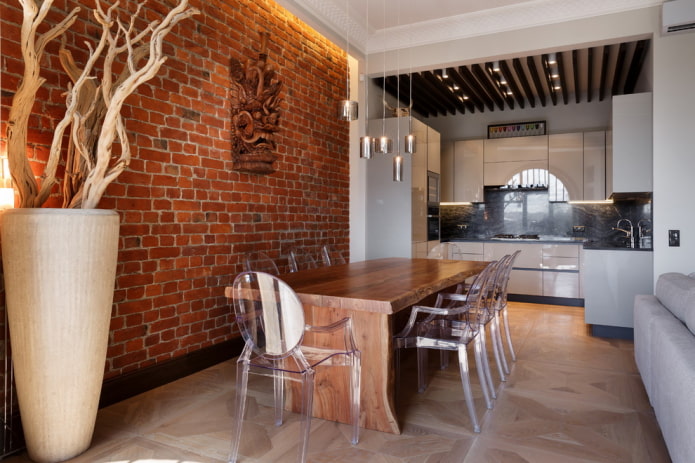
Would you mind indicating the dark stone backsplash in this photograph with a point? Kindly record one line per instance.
(530, 212)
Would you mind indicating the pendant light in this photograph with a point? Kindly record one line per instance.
(409, 142)
(347, 108)
(384, 145)
(367, 143)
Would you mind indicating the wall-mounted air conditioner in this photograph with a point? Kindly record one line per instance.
(677, 16)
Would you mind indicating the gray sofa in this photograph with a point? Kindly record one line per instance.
(665, 357)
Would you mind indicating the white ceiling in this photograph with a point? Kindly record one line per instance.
(377, 25)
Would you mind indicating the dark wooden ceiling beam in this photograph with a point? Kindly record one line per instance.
(495, 78)
(437, 98)
(563, 82)
(636, 65)
(489, 87)
(619, 64)
(516, 62)
(535, 76)
(604, 73)
(478, 90)
(545, 59)
(423, 109)
(575, 72)
(453, 104)
(590, 76)
(513, 86)
(421, 99)
(474, 101)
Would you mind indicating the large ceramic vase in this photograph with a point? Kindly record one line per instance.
(59, 267)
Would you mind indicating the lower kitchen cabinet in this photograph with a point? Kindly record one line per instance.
(612, 279)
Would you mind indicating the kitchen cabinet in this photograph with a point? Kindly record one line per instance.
(433, 150)
(396, 212)
(594, 165)
(468, 171)
(578, 160)
(629, 166)
(612, 279)
(446, 185)
(541, 269)
(504, 157)
(566, 162)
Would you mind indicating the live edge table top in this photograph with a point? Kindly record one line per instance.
(381, 285)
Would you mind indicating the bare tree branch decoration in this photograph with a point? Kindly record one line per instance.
(93, 106)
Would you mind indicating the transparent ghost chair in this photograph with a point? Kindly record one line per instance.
(260, 262)
(501, 305)
(496, 292)
(440, 251)
(452, 328)
(331, 256)
(271, 320)
(301, 259)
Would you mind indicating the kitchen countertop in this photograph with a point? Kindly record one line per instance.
(588, 244)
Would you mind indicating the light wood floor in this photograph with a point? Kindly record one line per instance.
(570, 398)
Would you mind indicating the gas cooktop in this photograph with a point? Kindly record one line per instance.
(503, 236)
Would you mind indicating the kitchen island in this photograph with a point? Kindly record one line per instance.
(372, 293)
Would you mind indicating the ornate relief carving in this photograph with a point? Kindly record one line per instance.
(255, 98)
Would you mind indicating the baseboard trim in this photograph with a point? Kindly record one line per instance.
(131, 384)
(569, 301)
(613, 332)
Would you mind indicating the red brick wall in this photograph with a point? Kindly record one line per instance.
(187, 218)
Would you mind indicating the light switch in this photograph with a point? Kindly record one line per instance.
(674, 237)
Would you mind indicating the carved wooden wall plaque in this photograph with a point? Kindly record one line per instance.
(255, 102)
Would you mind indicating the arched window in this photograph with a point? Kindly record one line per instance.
(541, 177)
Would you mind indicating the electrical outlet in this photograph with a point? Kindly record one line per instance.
(674, 237)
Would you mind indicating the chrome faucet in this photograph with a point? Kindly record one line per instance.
(645, 240)
(628, 233)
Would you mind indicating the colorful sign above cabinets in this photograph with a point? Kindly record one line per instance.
(519, 129)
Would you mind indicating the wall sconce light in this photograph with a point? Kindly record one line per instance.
(6, 190)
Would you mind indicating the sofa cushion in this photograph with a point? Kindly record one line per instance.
(646, 310)
(677, 293)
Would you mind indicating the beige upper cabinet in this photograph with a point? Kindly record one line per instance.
(468, 171)
(566, 163)
(630, 163)
(505, 157)
(433, 150)
(595, 165)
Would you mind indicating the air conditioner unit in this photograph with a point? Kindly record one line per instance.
(677, 16)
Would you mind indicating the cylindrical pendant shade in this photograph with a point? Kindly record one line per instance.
(384, 145)
(398, 168)
(367, 147)
(347, 110)
(409, 145)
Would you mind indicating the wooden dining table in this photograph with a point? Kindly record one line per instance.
(371, 293)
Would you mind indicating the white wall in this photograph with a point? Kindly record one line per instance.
(674, 152)
(560, 119)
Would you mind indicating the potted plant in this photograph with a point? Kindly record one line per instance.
(60, 263)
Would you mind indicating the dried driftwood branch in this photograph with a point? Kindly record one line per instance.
(23, 100)
(93, 106)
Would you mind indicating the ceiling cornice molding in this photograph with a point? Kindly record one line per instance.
(526, 15)
(331, 13)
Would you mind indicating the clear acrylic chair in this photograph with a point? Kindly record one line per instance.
(452, 328)
(440, 251)
(496, 291)
(271, 320)
(331, 256)
(260, 262)
(501, 305)
(301, 259)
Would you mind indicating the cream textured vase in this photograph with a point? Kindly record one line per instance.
(60, 268)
